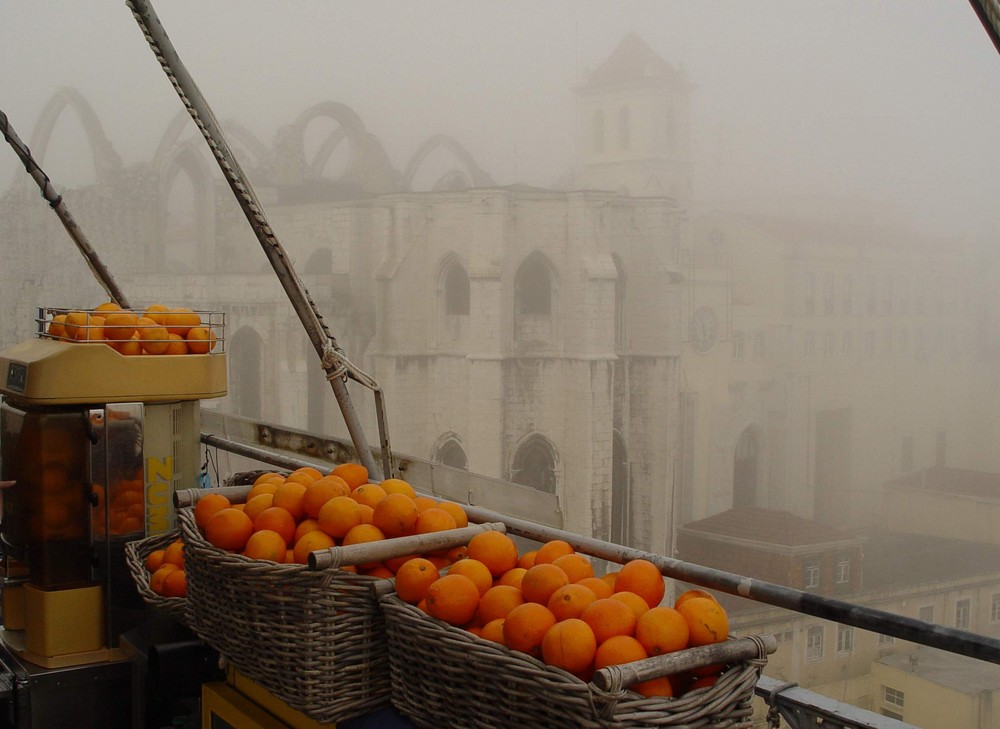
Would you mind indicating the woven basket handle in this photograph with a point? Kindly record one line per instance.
(615, 678)
(323, 559)
(189, 497)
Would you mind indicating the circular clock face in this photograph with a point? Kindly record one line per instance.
(704, 328)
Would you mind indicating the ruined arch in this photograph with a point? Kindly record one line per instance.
(450, 452)
(475, 175)
(534, 285)
(453, 286)
(535, 462)
(252, 151)
(107, 163)
(193, 247)
(245, 374)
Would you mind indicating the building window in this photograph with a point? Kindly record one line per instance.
(759, 351)
(810, 293)
(829, 344)
(904, 341)
(871, 295)
(624, 132)
(812, 575)
(995, 609)
(870, 344)
(846, 343)
(884, 640)
(738, 347)
(887, 342)
(810, 344)
(598, 131)
(843, 572)
(963, 614)
(887, 296)
(533, 286)
(814, 643)
(845, 639)
(456, 290)
(893, 697)
(926, 614)
(847, 304)
(535, 465)
(829, 293)
(906, 462)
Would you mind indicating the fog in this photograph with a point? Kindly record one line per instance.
(784, 367)
(888, 101)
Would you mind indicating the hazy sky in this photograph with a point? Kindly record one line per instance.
(893, 100)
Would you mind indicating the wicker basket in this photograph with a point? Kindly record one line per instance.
(444, 676)
(135, 557)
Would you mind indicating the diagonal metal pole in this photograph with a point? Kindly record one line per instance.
(56, 202)
(333, 360)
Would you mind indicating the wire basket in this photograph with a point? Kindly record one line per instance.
(123, 334)
(443, 676)
(136, 552)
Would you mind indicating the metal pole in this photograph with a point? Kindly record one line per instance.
(196, 105)
(55, 201)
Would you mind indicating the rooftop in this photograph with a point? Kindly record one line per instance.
(946, 669)
(778, 528)
(633, 59)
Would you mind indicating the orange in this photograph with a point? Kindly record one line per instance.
(457, 553)
(75, 322)
(264, 487)
(175, 584)
(268, 476)
(655, 687)
(303, 477)
(314, 473)
(662, 630)
(493, 631)
(208, 505)
(527, 560)
(200, 340)
(229, 529)
(570, 600)
(154, 339)
(368, 494)
(363, 533)
(413, 578)
(266, 544)
(433, 520)
(354, 473)
(395, 514)
(289, 497)
(494, 549)
(322, 490)
(706, 619)
(276, 519)
(512, 577)
(453, 599)
(155, 312)
(456, 511)
(176, 344)
(576, 566)
(180, 320)
(108, 306)
(154, 559)
(257, 504)
(688, 594)
(424, 502)
(174, 553)
(525, 626)
(311, 542)
(541, 581)
(635, 602)
(367, 513)
(156, 579)
(130, 347)
(644, 579)
(475, 571)
(378, 570)
(120, 325)
(611, 578)
(609, 617)
(306, 525)
(93, 332)
(549, 551)
(394, 563)
(398, 486)
(497, 601)
(569, 645)
(618, 649)
(57, 326)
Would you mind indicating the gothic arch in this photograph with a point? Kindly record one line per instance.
(621, 302)
(473, 173)
(746, 468)
(449, 451)
(107, 163)
(535, 463)
(453, 286)
(535, 285)
(253, 147)
(245, 375)
(187, 159)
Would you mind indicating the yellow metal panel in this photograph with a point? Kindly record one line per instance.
(261, 696)
(218, 700)
(63, 621)
(45, 371)
(13, 607)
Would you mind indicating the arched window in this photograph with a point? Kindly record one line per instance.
(533, 286)
(245, 380)
(620, 315)
(456, 290)
(624, 128)
(535, 465)
(451, 453)
(598, 131)
(745, 470)
(621, 510)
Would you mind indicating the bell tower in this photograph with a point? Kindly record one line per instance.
(633, 125)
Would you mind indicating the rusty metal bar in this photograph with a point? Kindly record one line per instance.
(56, 202)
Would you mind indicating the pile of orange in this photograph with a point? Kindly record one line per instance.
(285, 517)
(158, 330)
(166, 570)
(548, 603)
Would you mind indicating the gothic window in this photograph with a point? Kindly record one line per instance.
(620, 303)
(598, 131)
(624, 130)
(533, 286)
(451, 453)
(620, 491)
(456, 290)
(535, 465)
